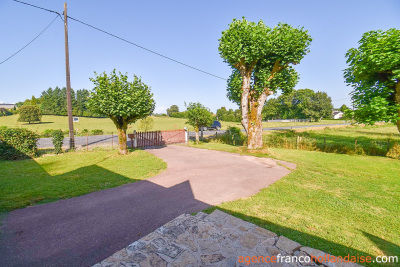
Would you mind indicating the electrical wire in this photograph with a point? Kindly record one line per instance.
(146, 49)
(122, 39)
(37, 36)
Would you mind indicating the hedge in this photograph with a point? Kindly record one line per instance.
(17, 143)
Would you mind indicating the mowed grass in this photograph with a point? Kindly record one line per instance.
(50, 178)
(337, 203)
(108, 127)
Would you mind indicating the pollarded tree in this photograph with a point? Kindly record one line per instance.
(123, 101)
(29, 114)
(198, 116)
(374, 74)
(261, 60)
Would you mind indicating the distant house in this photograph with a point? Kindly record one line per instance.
(337, 115)
(7, 106)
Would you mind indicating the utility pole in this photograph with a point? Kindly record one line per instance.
(69, 103)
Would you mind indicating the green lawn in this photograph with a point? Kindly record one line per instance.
(105, 124)
(370, 140)
(341, 204)
(50, 178)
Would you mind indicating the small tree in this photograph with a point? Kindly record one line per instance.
(123, 101)
(57, 139)
(173, 109)
(146, 124)
(374, 74)
(29, 114)
(198, 116)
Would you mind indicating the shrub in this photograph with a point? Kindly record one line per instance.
(97, 132)
(47, 132)
(5, 112)
(17, 143)
(233, 136)
(57, 138)
(84, 132)
(29, 114)
(394, 151)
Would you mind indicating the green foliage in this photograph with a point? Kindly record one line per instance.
(146, 124)
(254, 47)
(374, 74)
(299, 104)
(173, 109)
(17, 143)
(198, 116)
(57, 138)
(178, 114)
(233, 136)
(229, 115)
(123, 101)
(29, 114)
(47, 133)
(5, 112)
(96, 132)
(84, 132)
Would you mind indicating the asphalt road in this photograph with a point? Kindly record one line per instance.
(84, 230)
(108, 140)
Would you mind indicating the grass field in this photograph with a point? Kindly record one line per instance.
(50, 178)
(338, 203)
(370, 140)
(105, 124)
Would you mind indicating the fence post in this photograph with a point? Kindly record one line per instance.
(297, 142)
(135, 139)
(186, 134)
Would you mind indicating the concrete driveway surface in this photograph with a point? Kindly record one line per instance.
(84, 230)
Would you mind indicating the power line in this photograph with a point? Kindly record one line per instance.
(31, 40)
(129, 42)
(39, 7)
(148, 50)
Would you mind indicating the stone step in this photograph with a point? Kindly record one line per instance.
(217, 239)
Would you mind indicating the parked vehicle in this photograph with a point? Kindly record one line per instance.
(216, 125)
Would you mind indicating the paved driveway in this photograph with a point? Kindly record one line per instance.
(84, 230)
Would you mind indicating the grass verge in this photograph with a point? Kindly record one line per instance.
(53, 177)
(337, 203)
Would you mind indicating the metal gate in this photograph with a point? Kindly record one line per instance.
(157, 138)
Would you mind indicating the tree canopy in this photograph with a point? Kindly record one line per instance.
(299, 104)
(374, 74)
(261, 59)
(123, 101)
(29, 114)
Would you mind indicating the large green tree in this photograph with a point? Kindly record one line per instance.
(198, 116)
(29, 114)
(123, 101)
(374, 74)
(173, 109)
(261, 58)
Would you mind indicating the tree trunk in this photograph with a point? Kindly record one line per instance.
(397, 101)
(246, 79)
(255, 128)
(123, 150)
(197, 136)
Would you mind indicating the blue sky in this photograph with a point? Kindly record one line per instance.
(187, 31)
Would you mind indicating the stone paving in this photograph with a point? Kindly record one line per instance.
(217, 239)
